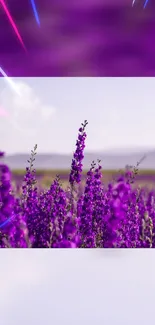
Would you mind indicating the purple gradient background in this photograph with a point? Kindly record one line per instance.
(79, 38)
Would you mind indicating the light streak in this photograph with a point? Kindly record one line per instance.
(35, 12)
(133, 2)
(2, 2)
(9, 80)
(5, 222)
(145, 4)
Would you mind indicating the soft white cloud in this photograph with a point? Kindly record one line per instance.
(120, 113)
(26, 111)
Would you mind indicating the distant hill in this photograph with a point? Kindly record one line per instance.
(58, 161)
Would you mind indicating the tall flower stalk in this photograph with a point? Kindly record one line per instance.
(76, 166)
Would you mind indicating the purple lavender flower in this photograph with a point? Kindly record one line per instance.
(86, 218)
(94, 215)
(76, 167)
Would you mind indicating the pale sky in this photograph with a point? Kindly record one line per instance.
(48, 111)
(77, 287)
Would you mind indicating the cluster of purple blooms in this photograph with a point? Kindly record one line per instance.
(117, 215)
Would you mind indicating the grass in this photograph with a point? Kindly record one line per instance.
(66, 172)
(47, 176)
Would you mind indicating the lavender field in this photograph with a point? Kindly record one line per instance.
(78, 209)
(145, 178)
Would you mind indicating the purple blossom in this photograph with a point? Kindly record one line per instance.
(87, 215)
(76, 167)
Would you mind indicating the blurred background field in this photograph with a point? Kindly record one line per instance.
(80, 38)
(46, 177)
